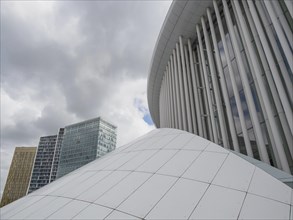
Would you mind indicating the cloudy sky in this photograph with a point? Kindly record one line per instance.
(68, 61)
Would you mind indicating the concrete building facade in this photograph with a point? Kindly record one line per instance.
(223, 70)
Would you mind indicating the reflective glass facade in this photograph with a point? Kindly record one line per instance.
(223, 70)
(84, 142)
(57, 151)
(43, 163)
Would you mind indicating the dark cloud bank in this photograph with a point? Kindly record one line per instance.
(65, 61)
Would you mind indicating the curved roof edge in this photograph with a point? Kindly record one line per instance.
(180, 20)
(278, 174)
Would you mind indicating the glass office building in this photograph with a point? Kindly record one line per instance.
(56, 156)
(84, 142)
(19, 174)
(223, 70)
(43, 163)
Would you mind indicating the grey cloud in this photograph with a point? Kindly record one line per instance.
(72, 77)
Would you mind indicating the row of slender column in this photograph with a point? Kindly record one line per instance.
(194, 91)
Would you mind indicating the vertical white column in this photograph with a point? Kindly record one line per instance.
(210, 104)
(215, 86)
(164, 101)
(181, 89)
(190, 91)
(234, 84)
(275, 48)
(176, 120)
(185, 86)
(272, 64)
(177, 91)
(195, 90)
(271, 83)
(161, 106)
(263, 93)
(289, 5)
(250, 103)
(171, 95)
(283, 22)
(280, 33)
(167, 99)
(207, 125)
(223, 85)
(258, 91)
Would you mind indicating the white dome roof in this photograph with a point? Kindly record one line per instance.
(166, 174)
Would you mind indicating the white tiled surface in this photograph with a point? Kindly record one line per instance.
(283, 194)
(215, 148)
(142, 200)
(123, 189)
(235, 173)
(101, 187)
(180, 201)
(139, 159)
(179, 163)
(45, 201)
(69, 210)
(156, 161)
(205, 166)
(93, 212)
(166, 174)
(49, 209)
(121, 161)
(161, 142)
(116, 215)
(70, 186)
(196, 143)
(86, 184)
(179, 141)
(219, 203)
(256, 207)
(18, 205)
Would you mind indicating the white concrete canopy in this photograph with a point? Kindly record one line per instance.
(165, 174)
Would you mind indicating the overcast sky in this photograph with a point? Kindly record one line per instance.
(68, 61)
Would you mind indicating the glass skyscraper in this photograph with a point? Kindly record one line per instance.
(43, 163)
(56, 157)
(84, 142)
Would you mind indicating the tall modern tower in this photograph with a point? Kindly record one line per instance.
(85, 141)
(19, 174)
(43, 163)
(223, 70)
(56, 157)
